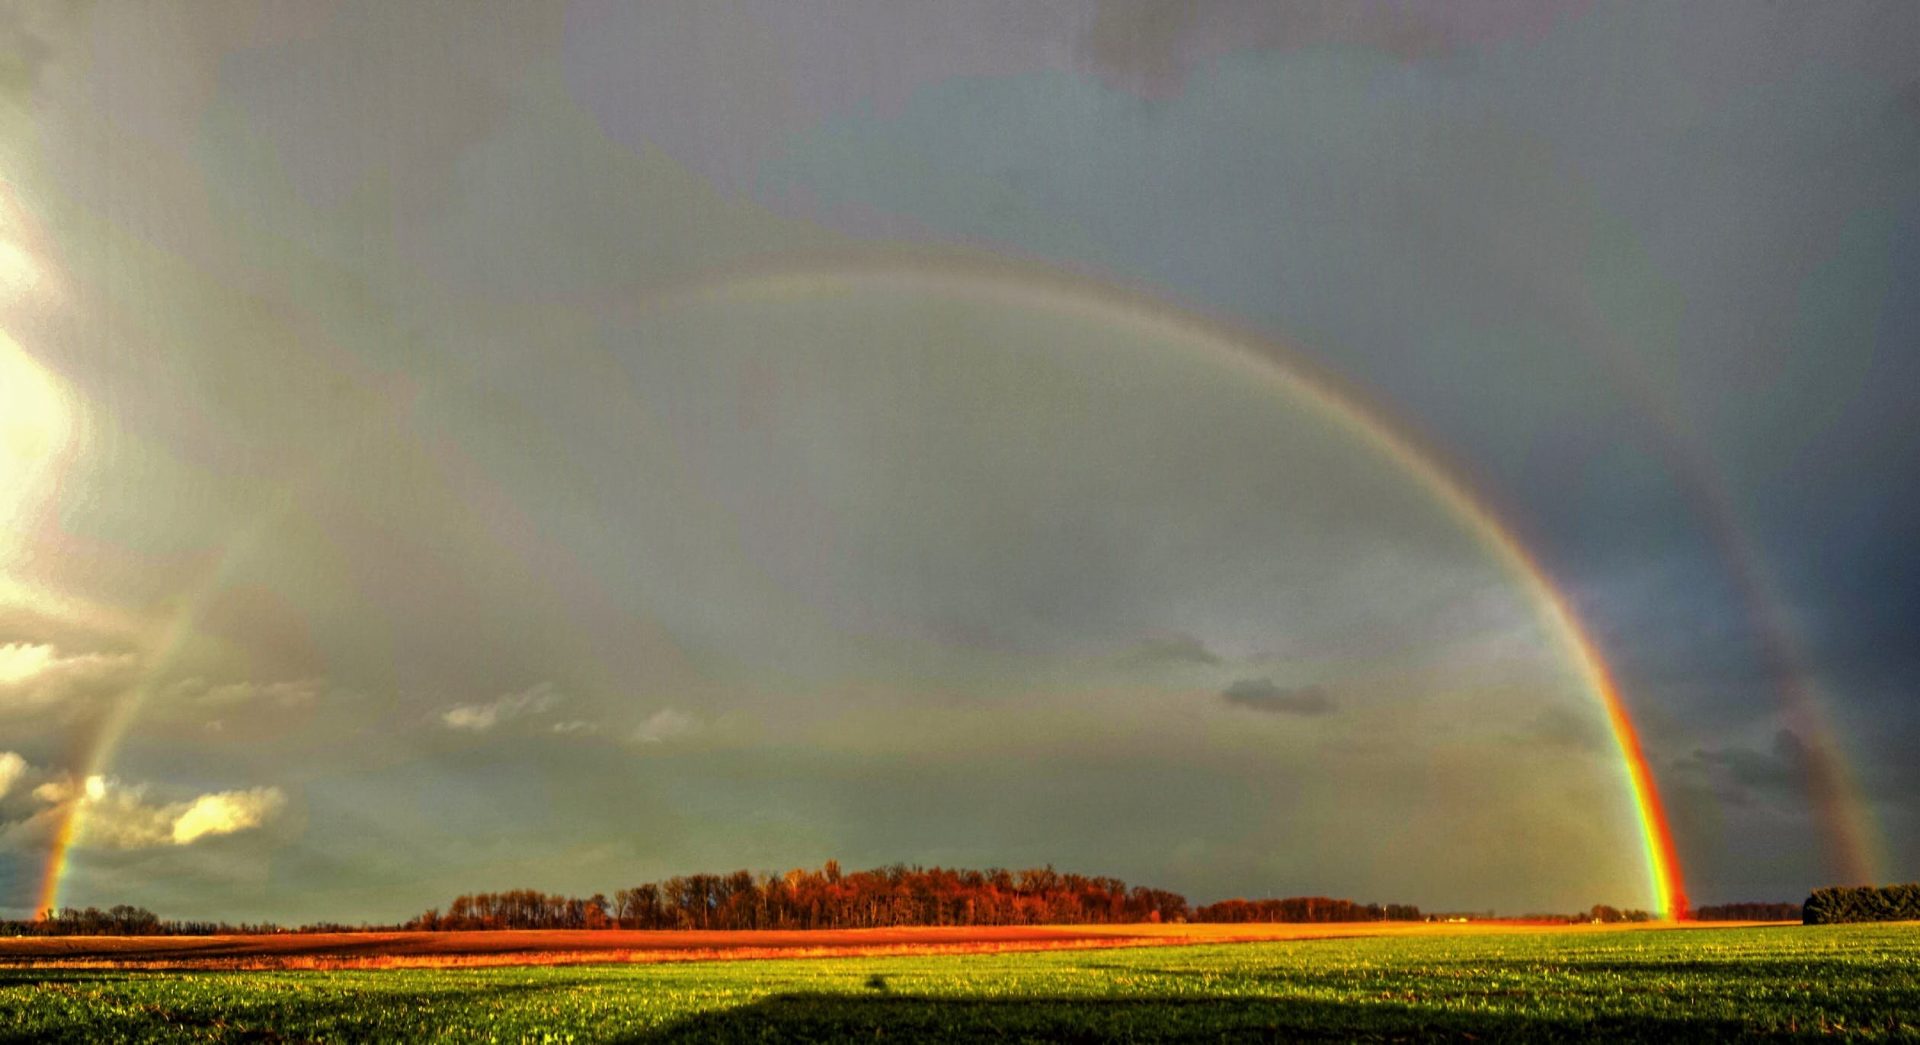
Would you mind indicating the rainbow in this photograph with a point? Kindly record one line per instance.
(99, 753)
(105, 740)
(1261, 359)
(1854, 847)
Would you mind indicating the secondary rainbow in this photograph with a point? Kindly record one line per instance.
(1260, 358)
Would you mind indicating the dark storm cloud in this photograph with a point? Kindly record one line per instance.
(1262, 695)
(1676, 351)
(1627, 320)
(1746, 775)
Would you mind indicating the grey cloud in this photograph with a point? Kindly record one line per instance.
(46, 681)
(1745, 775)
(1170, 648)
(1150, 47)
(1262, 695)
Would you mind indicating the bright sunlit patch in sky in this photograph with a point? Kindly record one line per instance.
(34, 430)
(20, 660)
(18, 273)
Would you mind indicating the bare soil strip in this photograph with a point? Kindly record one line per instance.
(561, 947)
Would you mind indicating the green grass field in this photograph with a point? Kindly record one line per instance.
(1655, 985)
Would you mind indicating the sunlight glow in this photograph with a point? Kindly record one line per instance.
(35, 431)
(18, 274)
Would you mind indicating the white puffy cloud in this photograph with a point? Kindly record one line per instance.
(226, 812)
(664, 725)
(42, 679)
(37, 676)
(479, 718)
(20, 661)
(12, 768)
(114, 815)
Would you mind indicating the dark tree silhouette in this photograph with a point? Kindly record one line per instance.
(1862, 903)
(1748, 912)
(1305, 909)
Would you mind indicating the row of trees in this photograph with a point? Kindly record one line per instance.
(1610, 915)
(1599, 912)
(826, 898)
(884, 897)
(1305, 909)
(1748, 912)
(518, 909)
(119, 920)
(1862, 903)
(899, 895)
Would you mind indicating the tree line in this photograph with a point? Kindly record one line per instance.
(899, 895)
(826, 898)
(1607, 914)
(884, 897)
(1748, 912)
(1305, 909)
(120, 920)
(1836, 905)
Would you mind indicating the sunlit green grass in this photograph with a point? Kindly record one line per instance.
(1656, 985)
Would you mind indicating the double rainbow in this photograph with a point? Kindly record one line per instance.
(1284, 369)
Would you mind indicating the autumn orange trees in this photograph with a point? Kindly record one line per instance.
(825, 898)
(884, 897)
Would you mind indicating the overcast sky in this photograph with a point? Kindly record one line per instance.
(451, 448)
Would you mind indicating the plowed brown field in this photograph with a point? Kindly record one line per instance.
(413, 949)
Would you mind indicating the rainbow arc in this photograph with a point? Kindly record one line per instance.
(1259, 358)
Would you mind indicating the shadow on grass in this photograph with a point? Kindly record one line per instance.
(809, 1017)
